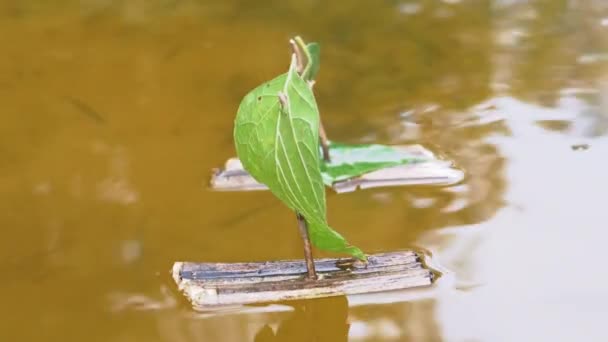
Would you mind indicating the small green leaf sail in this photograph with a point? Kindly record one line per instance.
(278, 145)
(312, 51)
(314, 63)
(349, 161)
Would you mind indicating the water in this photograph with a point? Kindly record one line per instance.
(114, 113)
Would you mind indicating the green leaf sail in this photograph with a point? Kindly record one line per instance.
(278, 145)
(313, 53)
(349, 161)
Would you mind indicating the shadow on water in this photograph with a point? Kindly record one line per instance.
(323, 319)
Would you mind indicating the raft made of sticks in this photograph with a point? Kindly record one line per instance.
(433, 171)
(208, 285)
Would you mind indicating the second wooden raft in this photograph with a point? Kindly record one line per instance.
(208, 285)
(433, 171)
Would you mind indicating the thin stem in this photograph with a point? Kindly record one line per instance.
(302, 47)
(324, 143)
(298, 53)
(298, 46)
(283, 100)
(310, 263)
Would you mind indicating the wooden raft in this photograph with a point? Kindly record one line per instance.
(232, 177)
(208, 285)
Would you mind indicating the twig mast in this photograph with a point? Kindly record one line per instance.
(299, 49)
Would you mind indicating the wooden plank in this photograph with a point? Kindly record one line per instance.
(432, 172)
(208, 285)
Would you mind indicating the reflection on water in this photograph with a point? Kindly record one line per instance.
(537, 264)
(313, 320)
(115, 112)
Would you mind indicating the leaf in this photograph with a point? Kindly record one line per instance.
(278, 145)
(349, 161)
(314, 62)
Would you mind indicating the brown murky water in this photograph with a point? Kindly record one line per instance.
(114, 112)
